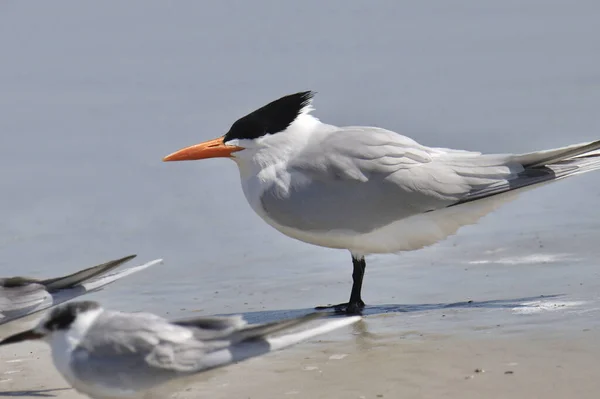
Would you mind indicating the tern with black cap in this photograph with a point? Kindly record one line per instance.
(370, 190)
(107, 354)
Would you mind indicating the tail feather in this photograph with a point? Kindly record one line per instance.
(261, 331)
(59, 283)
(286, 340)
(235, 328)
(493, 180)
(250, 348)
(543, 167)
(547, 157)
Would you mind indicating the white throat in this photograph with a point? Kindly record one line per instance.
(273, 149)
(264, 161)
(65, 341)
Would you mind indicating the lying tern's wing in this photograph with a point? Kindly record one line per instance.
(284, 337)
(130, 352)
(20, 301)
(81, 276)
(102, 281)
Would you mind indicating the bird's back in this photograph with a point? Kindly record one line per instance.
(357, 188)
(361, 179)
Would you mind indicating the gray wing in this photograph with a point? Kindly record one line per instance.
(22, 296)
(262, 331)
(360, 179)
(212, 327)
(140, 351)
(137, 351)
(71, 280)
(235, 329)
(18, 300)
(68, 281)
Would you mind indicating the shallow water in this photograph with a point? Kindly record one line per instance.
(94, 94)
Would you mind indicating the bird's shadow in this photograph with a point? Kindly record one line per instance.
(274, 315)
(43, 393)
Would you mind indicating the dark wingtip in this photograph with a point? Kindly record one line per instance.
(17, 281)
(81, 276)
(125, 259)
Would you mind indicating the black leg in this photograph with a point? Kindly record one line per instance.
(358, 273)
(355, 305)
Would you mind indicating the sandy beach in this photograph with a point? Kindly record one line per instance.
(358, 363)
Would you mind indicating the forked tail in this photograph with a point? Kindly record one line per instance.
(260, 342)
(544, 167)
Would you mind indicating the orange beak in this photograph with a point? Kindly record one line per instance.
(209, 149)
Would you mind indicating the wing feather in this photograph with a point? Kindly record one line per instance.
(123, 351)
(361, 179)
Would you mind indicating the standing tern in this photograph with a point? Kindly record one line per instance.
(23, 296)
(367, 189)
(109, 354)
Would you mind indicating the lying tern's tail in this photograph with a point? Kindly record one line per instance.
(262, 339)
(286, 340)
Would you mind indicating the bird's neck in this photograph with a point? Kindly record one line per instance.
(63, 342)
(276, 150)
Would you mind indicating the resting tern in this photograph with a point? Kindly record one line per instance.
(367, 189)
(23, 296)
(110, 354)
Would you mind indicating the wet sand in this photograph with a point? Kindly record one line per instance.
(358, 362)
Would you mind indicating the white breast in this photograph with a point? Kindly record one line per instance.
(254, 185)
(408, 234)
(64, 342)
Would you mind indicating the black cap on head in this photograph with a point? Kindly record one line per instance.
(270, 119)
(62, 316)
